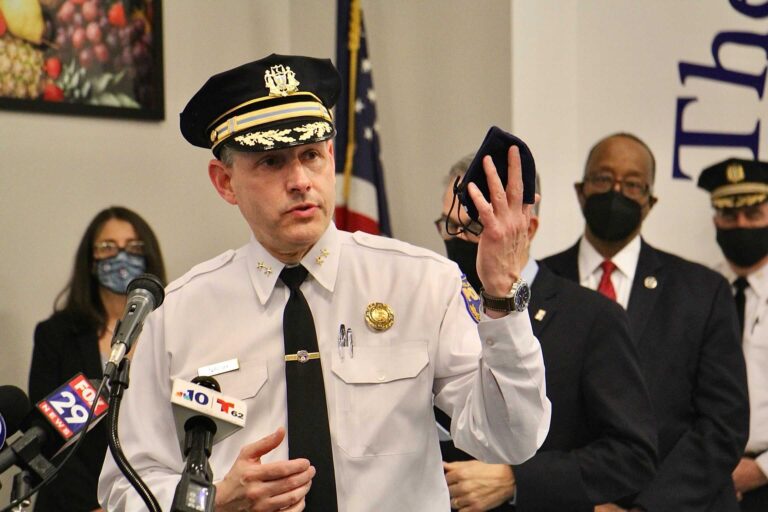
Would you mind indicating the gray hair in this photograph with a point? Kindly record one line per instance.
(460, 167)
(227, 155)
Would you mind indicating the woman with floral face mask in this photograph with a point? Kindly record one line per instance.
(117, 246)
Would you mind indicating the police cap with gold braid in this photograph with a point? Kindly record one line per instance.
(735, 183)
(272, 103)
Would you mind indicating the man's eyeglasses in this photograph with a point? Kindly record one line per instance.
(109, 248)
(448, 228)
(633, 188)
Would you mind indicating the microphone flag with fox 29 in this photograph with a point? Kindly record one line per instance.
(66, 409)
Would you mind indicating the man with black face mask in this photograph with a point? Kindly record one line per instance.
(739, 191)
(683, 322)
(601, 444)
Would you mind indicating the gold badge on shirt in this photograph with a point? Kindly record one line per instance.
(379, 316)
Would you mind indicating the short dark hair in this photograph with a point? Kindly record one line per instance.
(631, 137)
(81, 294)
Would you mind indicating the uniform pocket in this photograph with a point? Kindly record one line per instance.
(246, 382)
(380, 391)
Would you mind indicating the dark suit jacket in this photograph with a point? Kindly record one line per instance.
(601, 444)
(64, 346)
(684, 324)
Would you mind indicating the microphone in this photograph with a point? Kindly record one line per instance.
(14, 406)
(204, 413)
(52, 426)
(145, 293)
(189, 399)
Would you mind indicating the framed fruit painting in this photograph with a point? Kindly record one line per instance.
(82, 57)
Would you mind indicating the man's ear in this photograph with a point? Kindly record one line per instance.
(579, 188)
(533, 227)
(221, 177)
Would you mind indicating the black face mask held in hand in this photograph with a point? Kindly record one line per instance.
(743, 246)
(612, 216)
(465, 255)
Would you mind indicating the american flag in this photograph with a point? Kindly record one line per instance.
(361, 201)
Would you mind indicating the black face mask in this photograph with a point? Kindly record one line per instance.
(465, 254)
(743, 246)
(612, 216)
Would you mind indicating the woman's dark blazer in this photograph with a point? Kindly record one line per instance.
(66, 344)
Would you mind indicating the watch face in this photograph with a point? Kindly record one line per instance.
(522, 296)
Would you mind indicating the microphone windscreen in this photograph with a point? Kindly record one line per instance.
(14, 407)
(207, 382)
(150, 283)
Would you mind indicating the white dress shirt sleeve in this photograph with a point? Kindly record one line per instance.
(499, 408)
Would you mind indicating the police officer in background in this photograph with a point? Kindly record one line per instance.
(343, 338)
(739, 191)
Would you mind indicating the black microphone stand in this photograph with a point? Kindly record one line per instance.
(22, 483)
(118, 383)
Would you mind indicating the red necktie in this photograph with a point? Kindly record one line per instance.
(606, 286)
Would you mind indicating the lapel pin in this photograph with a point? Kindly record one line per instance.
(540, 314)
(650, 282)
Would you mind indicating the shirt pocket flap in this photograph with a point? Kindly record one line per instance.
(383, 363)
(245, 382)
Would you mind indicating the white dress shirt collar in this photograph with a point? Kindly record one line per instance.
(322, 262)
(625, 260)
(757, 280)
(530, 271)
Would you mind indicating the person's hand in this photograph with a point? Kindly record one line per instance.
(748, 476)
(503, 245)
(610, 507)
(475, 486)
(253, 486)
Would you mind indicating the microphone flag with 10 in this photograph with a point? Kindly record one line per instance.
(189, 399)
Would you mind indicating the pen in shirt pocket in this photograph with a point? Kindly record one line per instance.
(346, 342)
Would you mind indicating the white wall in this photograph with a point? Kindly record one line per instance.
(586, 69)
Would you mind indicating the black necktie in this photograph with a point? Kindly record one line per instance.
(740, 284)
(309, 436)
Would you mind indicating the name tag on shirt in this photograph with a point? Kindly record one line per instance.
(214, 369)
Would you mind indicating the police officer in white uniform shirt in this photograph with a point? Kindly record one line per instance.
(415, 333)
(739, 191)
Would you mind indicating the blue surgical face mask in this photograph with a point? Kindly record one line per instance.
(116, 272)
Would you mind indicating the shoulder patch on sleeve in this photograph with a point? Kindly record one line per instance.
(471, 299)
(202, 268)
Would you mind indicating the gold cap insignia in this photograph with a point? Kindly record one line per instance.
(379, 316)
(281, 81)
(735, 173)
(650, 282)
